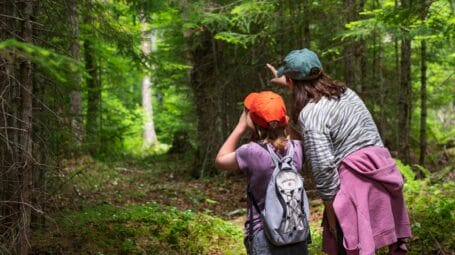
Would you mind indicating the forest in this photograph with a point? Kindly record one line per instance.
(112, 112)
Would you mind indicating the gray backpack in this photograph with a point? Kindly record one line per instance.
(286, 209)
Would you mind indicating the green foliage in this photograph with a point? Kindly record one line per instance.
(431, 208)
(149, 228)
(247, 23)
(121, 128)
(173, 113)
(60, 67)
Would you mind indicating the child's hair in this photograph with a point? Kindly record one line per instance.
(275, 135)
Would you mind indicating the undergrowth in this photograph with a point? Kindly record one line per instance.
(431, 207)
(106, 224)
(139, 229)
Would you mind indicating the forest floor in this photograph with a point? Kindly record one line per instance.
(89, 192)
(153, 206)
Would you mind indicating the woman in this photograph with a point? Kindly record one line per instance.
(355, 175)
(265, 116)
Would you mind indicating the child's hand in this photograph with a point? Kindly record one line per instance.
(242, 125)
(281, 80)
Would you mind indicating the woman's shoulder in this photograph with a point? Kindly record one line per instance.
(321, 112)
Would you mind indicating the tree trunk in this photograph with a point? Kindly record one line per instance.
(93, 89)
(404, 104)
(93, 96)
(147, 45)
(25, 137)
(397, 95)
(201, 65)
(424, 5)
(423, 104)
(352, 51)
(75, 95)
(8, 135)
(306, 40)
(204, 87)
(187, 39)
(382, 92)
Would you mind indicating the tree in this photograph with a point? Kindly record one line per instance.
(424, 5)
(93, 86)
(76, 94)
(25, 136)
(148, 45)
(423, 103)
(16, 133)
(405, 95)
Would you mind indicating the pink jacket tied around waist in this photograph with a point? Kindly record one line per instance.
(369, 205)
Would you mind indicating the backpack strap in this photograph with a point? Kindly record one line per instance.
(262, 145)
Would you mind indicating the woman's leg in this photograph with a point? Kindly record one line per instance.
(340, 247)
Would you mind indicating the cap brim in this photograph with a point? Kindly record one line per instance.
(280, 71)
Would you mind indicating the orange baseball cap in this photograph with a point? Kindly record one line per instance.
(265, 107)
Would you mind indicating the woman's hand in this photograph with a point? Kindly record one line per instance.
(278, 80)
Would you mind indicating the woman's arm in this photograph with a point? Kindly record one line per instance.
(225, 159)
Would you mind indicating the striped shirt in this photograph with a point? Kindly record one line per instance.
(331, 130)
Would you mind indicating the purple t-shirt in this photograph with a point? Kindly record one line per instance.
(256, 161)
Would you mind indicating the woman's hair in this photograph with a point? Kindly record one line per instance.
(275, 135)
(313, 90)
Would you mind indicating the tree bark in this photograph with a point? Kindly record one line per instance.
(9, 113)
(147, 45)
(93, 89)
(25, 137)
(206, 93)
(200, 61)
(93, 95)
(306, 40)
(404, 104)
(353, 50)
(397, 95)
(424, 5)
(423, 103)
(76, 94)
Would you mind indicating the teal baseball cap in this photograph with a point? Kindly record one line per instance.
(299, 64)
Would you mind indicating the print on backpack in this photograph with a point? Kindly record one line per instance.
(286, 209)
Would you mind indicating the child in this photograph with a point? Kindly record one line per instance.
(265, 116)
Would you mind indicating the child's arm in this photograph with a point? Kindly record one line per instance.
(225, 159)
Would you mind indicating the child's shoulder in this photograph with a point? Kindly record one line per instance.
(252, 148)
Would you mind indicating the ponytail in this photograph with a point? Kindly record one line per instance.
(275, 135)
